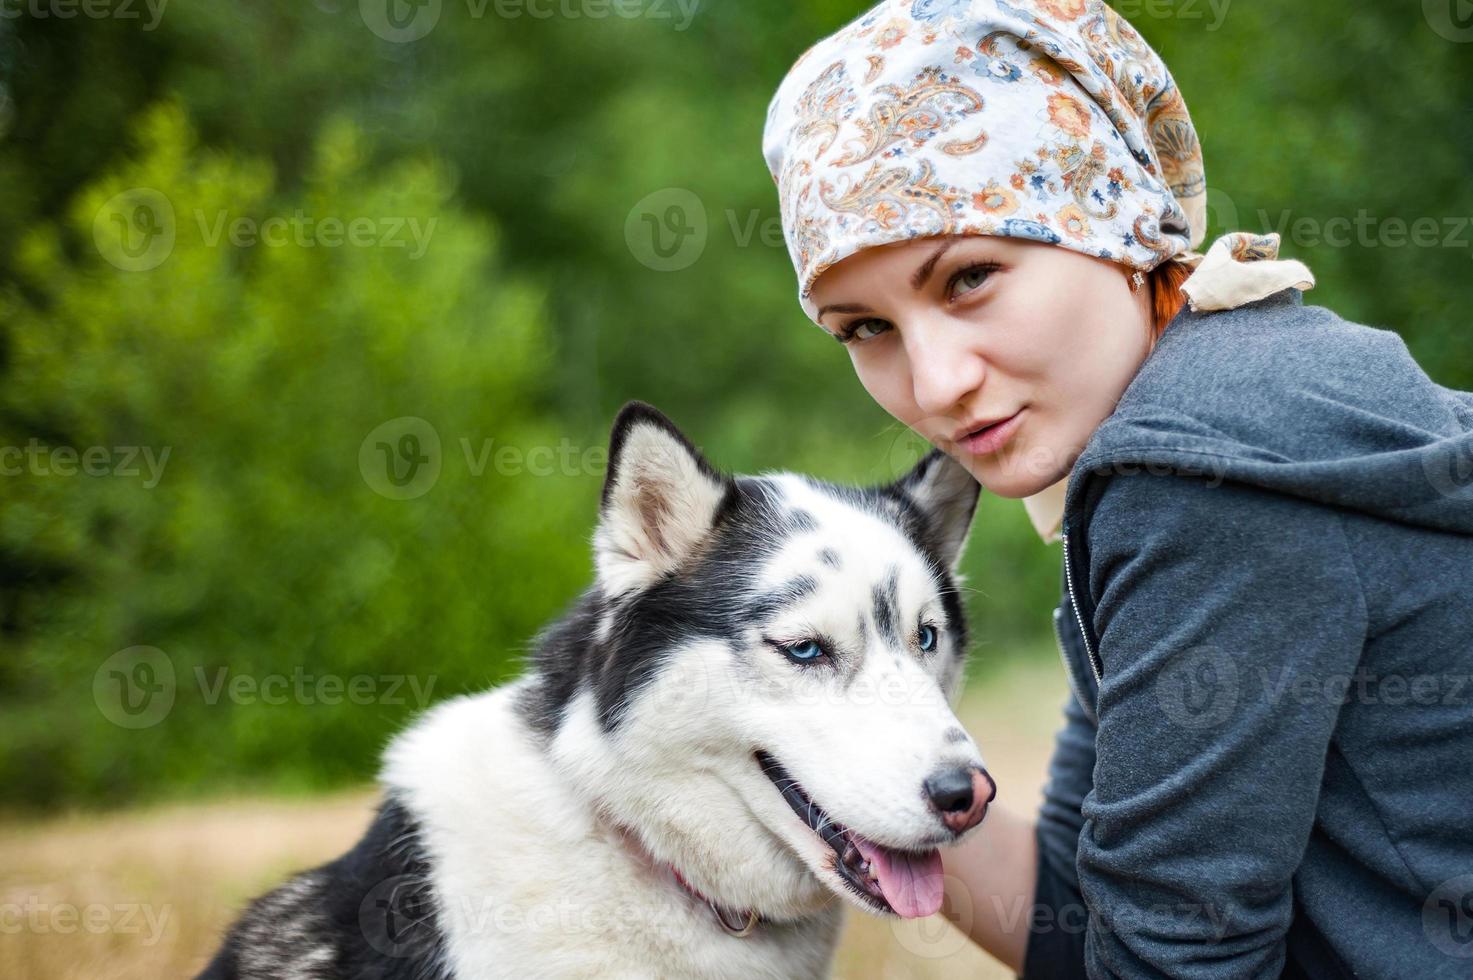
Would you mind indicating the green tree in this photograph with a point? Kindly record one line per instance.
(259, 537)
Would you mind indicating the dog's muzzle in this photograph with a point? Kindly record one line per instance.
(907, 883)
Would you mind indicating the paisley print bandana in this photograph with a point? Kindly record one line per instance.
(1047, 120)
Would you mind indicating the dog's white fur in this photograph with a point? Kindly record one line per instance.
(531, 878)
(531, 884)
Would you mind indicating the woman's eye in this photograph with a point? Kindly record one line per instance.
(927, 639)
(864, 330)
(969, 279)
(806, 650)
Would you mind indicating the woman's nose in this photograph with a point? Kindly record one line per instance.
(944, 368)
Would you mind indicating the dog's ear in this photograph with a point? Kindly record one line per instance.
(947, 494)
(660, 499)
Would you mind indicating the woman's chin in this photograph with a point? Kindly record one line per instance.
(1015, 475)
(1013, 490)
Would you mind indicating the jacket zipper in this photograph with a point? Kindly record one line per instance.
(1094, 663)
(1069, 667)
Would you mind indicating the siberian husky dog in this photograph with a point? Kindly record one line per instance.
(746, 718)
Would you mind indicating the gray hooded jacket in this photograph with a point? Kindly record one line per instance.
(1266, 767)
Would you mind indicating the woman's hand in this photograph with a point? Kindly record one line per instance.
(990, 880)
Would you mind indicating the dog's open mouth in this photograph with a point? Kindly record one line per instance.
(907, 883)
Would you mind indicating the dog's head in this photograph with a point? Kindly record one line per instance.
(760, 682)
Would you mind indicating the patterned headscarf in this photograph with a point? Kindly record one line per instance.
(1048, 120)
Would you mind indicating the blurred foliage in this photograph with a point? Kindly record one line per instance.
(527, 321)
(258, 545)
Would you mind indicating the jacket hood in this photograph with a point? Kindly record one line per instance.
(1294, 399)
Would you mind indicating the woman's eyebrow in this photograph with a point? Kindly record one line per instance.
(924, 272)
(843, 308)
(922, 275)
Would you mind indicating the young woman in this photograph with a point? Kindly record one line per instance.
(1266, 511)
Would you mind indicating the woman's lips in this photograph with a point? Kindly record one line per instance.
(994, 437)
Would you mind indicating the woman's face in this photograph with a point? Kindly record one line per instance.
(949, 334)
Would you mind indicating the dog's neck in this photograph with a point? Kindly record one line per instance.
(735, 922)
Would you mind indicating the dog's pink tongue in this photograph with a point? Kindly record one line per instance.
(912, 883)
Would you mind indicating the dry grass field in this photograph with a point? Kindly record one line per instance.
(145, 895)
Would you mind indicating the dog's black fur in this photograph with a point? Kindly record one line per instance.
(369, 915)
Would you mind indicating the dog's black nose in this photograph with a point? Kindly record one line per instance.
(951, 790)
(960, 795)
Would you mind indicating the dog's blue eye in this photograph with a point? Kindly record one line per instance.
(807, 650)
(928, 639)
